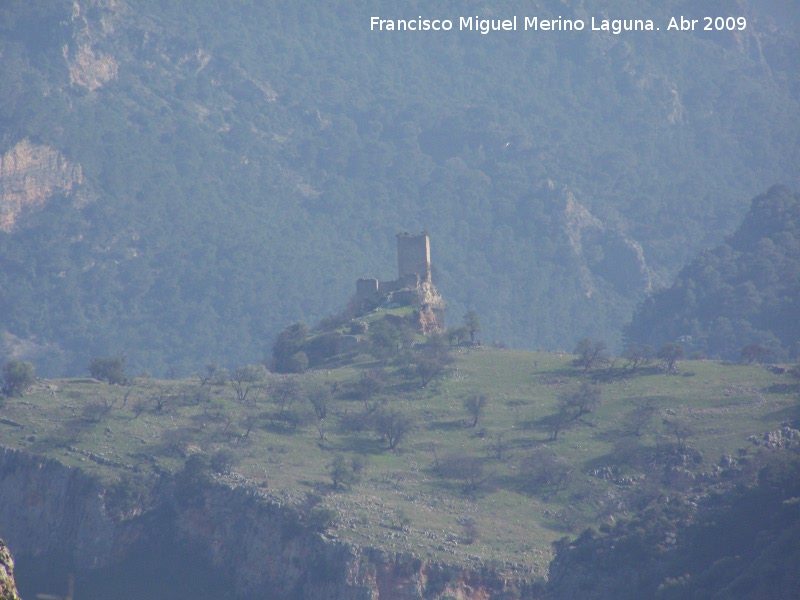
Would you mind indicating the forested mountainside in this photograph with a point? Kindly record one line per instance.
(740, 299)
(740, 544)
(180, 181)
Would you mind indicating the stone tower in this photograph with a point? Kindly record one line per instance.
(414, 255)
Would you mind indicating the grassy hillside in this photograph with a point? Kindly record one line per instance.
(497, 493)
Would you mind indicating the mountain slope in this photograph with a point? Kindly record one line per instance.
(243, 163)
(744, 292)
(476, 489)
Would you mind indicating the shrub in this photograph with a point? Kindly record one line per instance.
(18, 376)
(475, 405)
(298, 363)
(127, 496)
(287, 349)
(110, 369)
(544, 471)
(320, 518)
(343, 474)
(222, 461)
(393, 425)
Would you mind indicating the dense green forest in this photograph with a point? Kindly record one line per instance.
(244, 162)
(740, 544)
(740, 299)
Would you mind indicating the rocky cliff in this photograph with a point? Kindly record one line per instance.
(262, 548)
(8, 588)
(30, 175)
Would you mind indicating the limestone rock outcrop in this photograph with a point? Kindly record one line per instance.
(30, 175)
(263, 548)
(8, 587)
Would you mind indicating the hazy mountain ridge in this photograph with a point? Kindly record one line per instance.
(250, 161)
(740, 293)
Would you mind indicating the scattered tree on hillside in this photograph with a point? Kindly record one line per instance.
(110, 369)
(393, 425)
(469, 527)
(223, 460)
(297, 363)
(343, 474)
(384, 339)
(97, 410)
(638, 355)
(559, 422)
(543, 471)
(473, 324)
(429, 367)
(214, 375)
(670, 354)
(18, 376)
(499, 446)
(591, 354)
(432, 359)
(248, 422)
(247, 379)
(210, 374)
(754, 352)
(639, 418)
(682, 430)
(468, 470)
(287, 354)
(320, 397)
(161, 399)
(284, 392)
(572, 406)
(456, 335)
(475, 404)
(583, 401)
(369, 386)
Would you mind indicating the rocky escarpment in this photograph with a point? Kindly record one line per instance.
(8, 587)
(603, 253)
(89, 67)
(261, 548)
(30, 175)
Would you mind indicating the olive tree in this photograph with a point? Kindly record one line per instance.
(591, 354)
(670, 354)
(393, 425)
(110, 369)
(18, 376)
(475, 405)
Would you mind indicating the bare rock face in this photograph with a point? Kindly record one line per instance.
(89, 67)
(29, 176)
(261, 546)
(603, 253)
(8, 587)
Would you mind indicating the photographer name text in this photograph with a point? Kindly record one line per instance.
(613, 26)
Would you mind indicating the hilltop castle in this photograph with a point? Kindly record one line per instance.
(413, 286)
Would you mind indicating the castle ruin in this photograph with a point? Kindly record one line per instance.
(413, 286)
